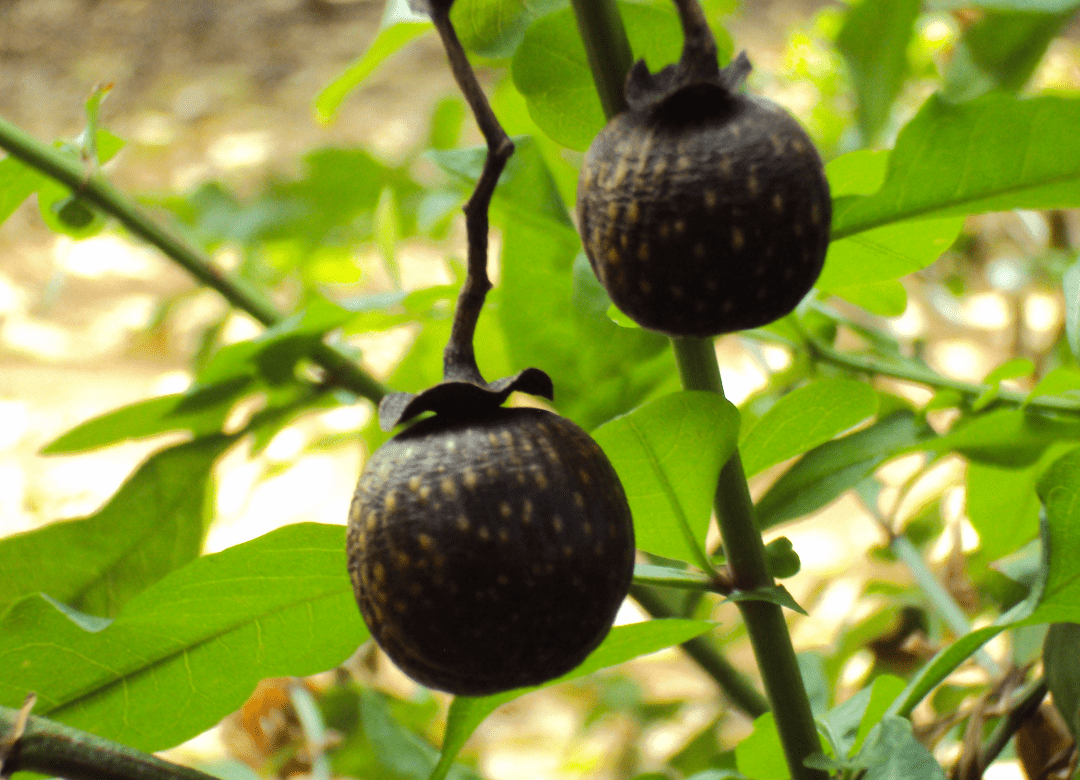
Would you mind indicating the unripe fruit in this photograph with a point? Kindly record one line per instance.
(702, 210)
(491, 551)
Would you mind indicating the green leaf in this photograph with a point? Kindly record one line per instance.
(494, 28)
(1061, 662)
(668, 454)
(874, 41)
(857, 173)
(761, 756)
(153, 524)
(805, 418)
(200, 640)
(992, 154)
(773, 594)
(1002, 49)
(1002, 507)
(892, 752)
(668, 577)
(1004, 437)
(138, 421)
(551, 69)
(884, 691)
(1070, 283)
(17, 183)
(827, 471)
(622, 644)
(885, 299)
(886, 253)
(388, 41)
(1059, 489)
(781, 558)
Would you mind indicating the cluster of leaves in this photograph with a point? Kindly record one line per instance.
(108, 616)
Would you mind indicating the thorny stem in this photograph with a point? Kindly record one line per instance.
(93, 188)
(459, 359)
(33, 744)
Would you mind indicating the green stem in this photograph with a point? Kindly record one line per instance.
(926, 376)
(745, 553)
(52, 749)
(96, 190)
(608, 49)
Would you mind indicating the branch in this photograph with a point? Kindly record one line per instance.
(867, 364)
(33, 744)
(96, 190)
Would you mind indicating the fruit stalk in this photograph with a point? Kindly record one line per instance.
(459, 358)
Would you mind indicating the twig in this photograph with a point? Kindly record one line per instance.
(53, 749)
(97, 190)
(867, 364)
(459, 358)
(1029, 701)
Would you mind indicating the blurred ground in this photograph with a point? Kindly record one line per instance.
(222, 89)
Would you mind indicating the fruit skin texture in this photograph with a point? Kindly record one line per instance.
(704, 211)
(489, 552)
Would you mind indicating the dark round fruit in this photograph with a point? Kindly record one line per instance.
(704, 212)
(492, 552)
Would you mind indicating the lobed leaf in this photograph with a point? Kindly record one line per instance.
(199, 639)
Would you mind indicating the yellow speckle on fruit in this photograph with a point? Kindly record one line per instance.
(502, 579)
(425, 541)
(505, 509)
(448, 488)
(400, 606)
(372, 521)
(752, 184)
(798, 146)
(391, 501)
(450, 445)
(462, 523)
(526, 512)
(378, 571)
(725, 165)
(633, 213)
(676, 291)
(557, 524)
(815, 213)
(504, 535)
(584, 476)
(586, 528)
(680, 225)
(710, 199)
(665, 230)
(684, 162)
(567, 550)
(468, 478)
(738, 240)
(699, 250)
(778, 203)
(613, 255)
(579, 500)
(541, 480)
(414, 483)
(402, 560)
(643, 252)
(483, 533)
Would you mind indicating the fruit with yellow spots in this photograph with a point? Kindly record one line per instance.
(489, 551)
(703, 210)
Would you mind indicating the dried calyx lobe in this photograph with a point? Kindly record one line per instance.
(703, 210)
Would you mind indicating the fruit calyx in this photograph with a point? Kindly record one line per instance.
(682, 81)
(462, 398)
